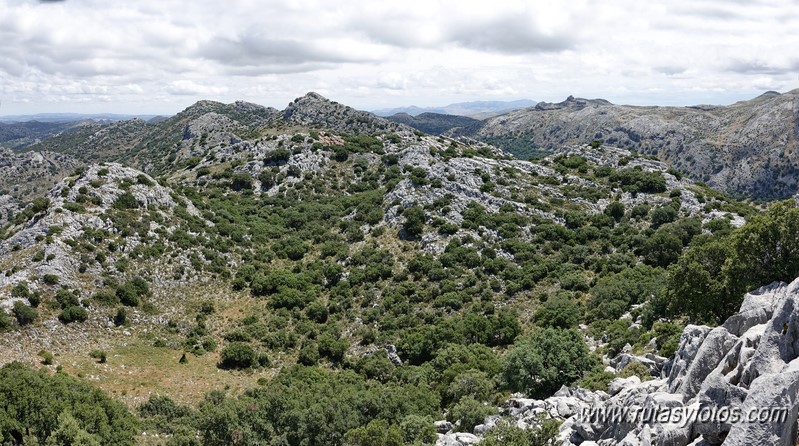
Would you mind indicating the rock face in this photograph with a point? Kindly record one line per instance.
(747, 147)
(737, 384)
(8, 207)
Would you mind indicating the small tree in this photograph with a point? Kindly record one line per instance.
(414, 220)
(663, 215)
(469, 412)
(241, 181)
(545, 361)
(615, 210)
(662, 249)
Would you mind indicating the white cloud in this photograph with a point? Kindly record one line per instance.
(159, 56)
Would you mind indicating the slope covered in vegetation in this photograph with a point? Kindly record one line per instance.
(398, 277)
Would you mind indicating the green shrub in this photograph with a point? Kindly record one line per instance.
(66, 298)
(636, 180)
(596, 381)
(471, 383)
(47, 357)
(100, 355)
(39, 256)
(128, 296)
(469, 413)
(237, 355)
(636, 369)
(105, 297)
(662, 215)
(309, 354)
(512, 435)
(615, 210)
(613, 295)
(418, 429)
(414, 220)
(662, 249)
(73, 314)
(376, 433)
(24, 314)
(131, 292)
(40, 204)
(542, 363)
(21, 290)
(558, 312)
(121, 317)
(241, 181)
(126, 201)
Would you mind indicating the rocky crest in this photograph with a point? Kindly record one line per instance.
(314, 110)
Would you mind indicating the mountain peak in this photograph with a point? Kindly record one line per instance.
(315, 110)
(572, 102)
(311, 96)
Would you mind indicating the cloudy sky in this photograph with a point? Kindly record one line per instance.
(159, 56)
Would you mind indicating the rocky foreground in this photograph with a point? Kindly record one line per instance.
(716, 389)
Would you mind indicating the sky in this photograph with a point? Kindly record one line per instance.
(160, 56)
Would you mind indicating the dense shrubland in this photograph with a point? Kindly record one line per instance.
(38, 408)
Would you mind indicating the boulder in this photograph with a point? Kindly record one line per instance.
(443, 426)
(756, 308)
(489, 423)
(690, 341)
(777, 391)
(779, 344)
(619, 384)
(715, 346)
(457, 439)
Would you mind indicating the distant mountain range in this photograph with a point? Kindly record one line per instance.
(749, 148)
(435, 123)
(72, 117)
(475, 109)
